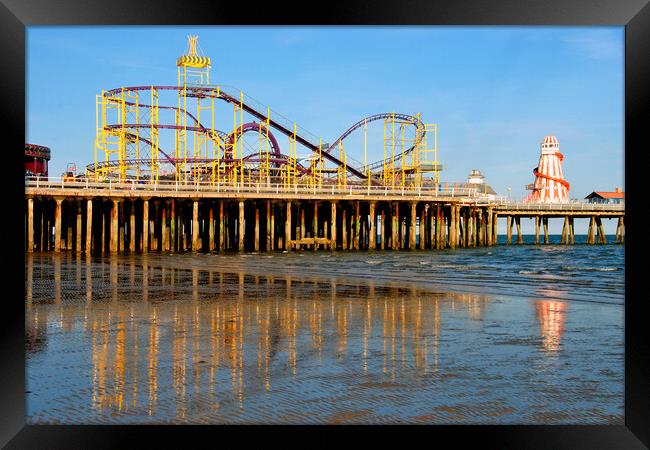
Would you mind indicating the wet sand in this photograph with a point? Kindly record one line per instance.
(175, 339)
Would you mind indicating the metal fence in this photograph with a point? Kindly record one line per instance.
(467, 195)
(571, 206)
(251, 188)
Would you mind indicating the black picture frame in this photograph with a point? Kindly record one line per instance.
(15, 15)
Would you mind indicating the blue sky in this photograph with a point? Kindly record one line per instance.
(494, 92)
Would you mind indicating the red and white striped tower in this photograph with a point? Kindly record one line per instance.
(549, 185)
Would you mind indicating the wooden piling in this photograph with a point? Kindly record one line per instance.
(442, 228)
(210, 227)
(489, 227)
(602, 239)
(78, 228)
(257, 229)
(382, 230)
(271, 230)
(302, 222)
(131, 233)
(344, 230)
(565, 231)
(315, 225)
(423, 215)
(333, 226)
(546, 230)
(222, 231)
(269, 226)
(520, 237)
(432, 227)
(114, 227)
(357, 226)
(481, 228)
(619, 226)
(195, 225)
(153, 226)
(393, 228)
(241, 226)
(30, 225)
(591, 231)
(412, 221)
(372, 244)
(163, 226)
(172, 226)
(145, 225)
(287, 228)
(537, 220)
(121, 225)
(89, 225)
(509, 230)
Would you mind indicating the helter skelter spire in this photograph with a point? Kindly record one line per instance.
(549, 185)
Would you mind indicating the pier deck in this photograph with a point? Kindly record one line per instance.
(87, 216)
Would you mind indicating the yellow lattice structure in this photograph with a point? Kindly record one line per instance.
(143, 134)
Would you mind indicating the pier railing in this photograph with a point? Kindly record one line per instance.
(571, 206)
(465, 195)
(251, 188)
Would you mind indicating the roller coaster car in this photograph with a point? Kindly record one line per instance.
(68, 176)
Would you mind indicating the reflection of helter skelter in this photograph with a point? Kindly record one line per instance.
(135, 143)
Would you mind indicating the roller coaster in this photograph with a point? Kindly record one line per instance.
(138, 138)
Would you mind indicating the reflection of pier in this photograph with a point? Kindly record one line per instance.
(551, 315)
(209, 339)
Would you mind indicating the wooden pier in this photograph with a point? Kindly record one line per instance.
(82, 216)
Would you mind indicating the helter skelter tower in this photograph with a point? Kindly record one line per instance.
(549, 185)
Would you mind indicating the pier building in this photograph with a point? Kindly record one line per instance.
(36, 160)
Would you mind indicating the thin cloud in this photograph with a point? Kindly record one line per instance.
(596, 45)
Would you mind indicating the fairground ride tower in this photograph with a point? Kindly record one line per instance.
(549, 185)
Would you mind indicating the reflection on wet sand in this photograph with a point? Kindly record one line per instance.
(551, 315)
(182, 344)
